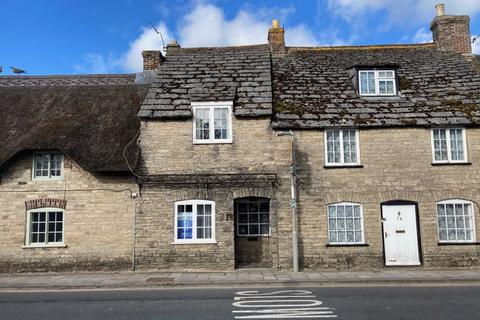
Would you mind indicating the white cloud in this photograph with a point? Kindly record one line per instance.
(476, 44)
(97, 63)
(132, 60)
(422, 36)
(206, 25)
(400, 12)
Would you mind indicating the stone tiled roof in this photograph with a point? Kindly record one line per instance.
(316, 88)
(62, 80)
(238, 74)
(91, 119)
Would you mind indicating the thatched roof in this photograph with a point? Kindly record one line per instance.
(90, 118)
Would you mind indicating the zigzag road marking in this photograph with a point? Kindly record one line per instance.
(284, 304)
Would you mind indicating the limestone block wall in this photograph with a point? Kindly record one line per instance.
(167, 149)
(98, 227)
(397, 165)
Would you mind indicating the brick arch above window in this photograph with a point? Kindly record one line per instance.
(46, 203)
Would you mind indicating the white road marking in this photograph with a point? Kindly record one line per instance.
(284, 304)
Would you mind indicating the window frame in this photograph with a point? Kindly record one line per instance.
(346, 243)
(449, 147)
(251, 235)
(194, 240)
(342, 162)
(28, 229)
(49, 177)
(377, 83)
(212, 106)
(456, 201)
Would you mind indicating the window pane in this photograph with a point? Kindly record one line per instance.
(56, 164)
(220, 123)
(184, 222)
(333, 146)
(456, 145)
(41, 163)
(440, 144)
(202, 123)
(349, 146)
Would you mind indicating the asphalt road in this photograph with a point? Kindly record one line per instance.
(412, 302)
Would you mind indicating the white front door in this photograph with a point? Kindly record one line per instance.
(400, 235)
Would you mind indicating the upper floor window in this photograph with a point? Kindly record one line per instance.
(377, 82)
(342, 147)
(455, 221)
(47, 166)
(345, 223)
(212, 122)
(45, 227)
(448, 145)
(195, 221)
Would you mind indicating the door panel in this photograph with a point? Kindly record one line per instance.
(400, 235)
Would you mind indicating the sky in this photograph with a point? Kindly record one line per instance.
(47, 37)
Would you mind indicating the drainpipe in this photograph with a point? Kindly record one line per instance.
(293, 201)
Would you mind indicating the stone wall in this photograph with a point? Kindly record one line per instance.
(397, 165)
(228, 172)
(98, 227)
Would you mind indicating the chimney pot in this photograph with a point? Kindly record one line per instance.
(276, 37)
(440, 8)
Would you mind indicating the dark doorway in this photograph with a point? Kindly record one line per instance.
(252, 233)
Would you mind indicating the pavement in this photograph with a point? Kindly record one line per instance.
(238, 278)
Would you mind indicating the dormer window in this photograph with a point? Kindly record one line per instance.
(47, 166)
(377, 83)
(212, 122)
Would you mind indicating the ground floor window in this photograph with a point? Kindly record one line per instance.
(345, 223)
(45, 227)
(194, 221)
(253, 216)
(455, 221)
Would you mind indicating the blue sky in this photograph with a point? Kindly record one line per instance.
(93, 36)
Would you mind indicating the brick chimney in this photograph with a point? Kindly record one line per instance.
(152, 59)
(451, 33)
(276, 37)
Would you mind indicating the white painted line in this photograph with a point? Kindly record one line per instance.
(298, 303)
(280, 310)
(256, 293)
(280, 316)
(272, 297)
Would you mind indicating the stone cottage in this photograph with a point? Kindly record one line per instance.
(254, 156)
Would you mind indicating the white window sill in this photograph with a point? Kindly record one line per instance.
(56, 245)
(446, 163)
(48, 179)
(213, 142)
(195, 242)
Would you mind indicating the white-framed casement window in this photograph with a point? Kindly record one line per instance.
(456, 222)
(45, 227)
(212, 122)
(194, 221)
(345, 223)
(342, 147)
(377, 83)
(253, 217)
(47, 166)
(449, 145)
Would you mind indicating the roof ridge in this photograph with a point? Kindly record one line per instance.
(68, 76)
(365, 47)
